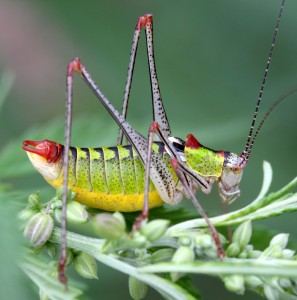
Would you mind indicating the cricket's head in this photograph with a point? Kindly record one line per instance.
(231, 176)
(225, 167)
(46, 157)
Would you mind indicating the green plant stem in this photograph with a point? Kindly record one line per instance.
(268, 206)
(94, 247)
(257, 267)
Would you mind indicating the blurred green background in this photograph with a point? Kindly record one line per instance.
(210, 60)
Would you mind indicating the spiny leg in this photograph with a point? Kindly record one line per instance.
(153, 130)
(179, 168)
(159, 172)
(161, 122)
(159, 112)
(182, 178)
(180, 171)
(173, 153)
(133, 53)
(158, 108)
(68, 126)
(145, 211)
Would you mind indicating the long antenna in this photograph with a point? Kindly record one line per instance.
(248, 145)
(272, 107)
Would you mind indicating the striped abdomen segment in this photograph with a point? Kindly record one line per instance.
(111, 178)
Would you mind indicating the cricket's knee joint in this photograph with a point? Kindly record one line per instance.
(154, 126)
(143, 21)
(74, 66)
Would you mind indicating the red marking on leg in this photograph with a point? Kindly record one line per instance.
(61, 268)
(143, 21)
(74, 66)
(154, 126)
(192, 142)
(137, 223)
(50, 150)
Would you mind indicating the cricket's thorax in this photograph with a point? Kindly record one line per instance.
(221, 166)
(107, 178)
(206, 162)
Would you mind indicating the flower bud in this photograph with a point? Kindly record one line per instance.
(108, 226)
(243, 254)
(59, 194)
(120, 218)
(137, 288)
(255, 254)
(58, 215)
(270, 292)
(272, 281)
(274, 251)
(280, 239)
(211, 252)
(204, 241)
(233, 250)
(185, 241)
(69, 256)
(253, 281)
(154, 229)
(242, 234)
(26, 214)
(285, 283)
(85, 265)
(205, 246)
(182, 255)
(76, 213)
(56, 204)
(288, 253)
(39, 228)
(162, 255)
(234, 283)
(138, 240)
(34, 201)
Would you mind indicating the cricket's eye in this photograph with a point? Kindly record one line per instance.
(236, 169)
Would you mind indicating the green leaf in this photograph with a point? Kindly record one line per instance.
(40, 274)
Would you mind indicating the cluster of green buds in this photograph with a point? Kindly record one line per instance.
(84, 264)
(39, 218)
(112, 227)
(184, 254)
(39, 224)
(240, 248)
(76, 212)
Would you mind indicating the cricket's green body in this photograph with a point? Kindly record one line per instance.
(107, 178)
(112, 178)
